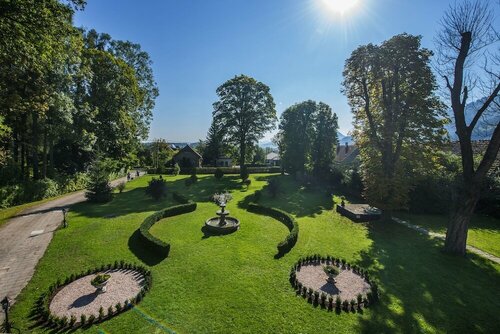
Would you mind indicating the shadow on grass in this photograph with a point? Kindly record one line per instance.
(423, 290)
(293, 197)
(142, 252)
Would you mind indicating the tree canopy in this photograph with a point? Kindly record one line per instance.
(397, 116)
(245, 111)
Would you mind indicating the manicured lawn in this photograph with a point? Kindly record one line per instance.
(484, 231)
(233, 284)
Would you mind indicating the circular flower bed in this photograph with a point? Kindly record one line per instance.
(93, 296)
(333, 283)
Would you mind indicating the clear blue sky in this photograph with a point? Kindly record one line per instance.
(296, 47)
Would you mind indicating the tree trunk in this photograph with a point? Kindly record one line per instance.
(243, 149)
(456, 234)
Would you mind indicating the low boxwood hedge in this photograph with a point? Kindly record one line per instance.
(153, 243)
(42, 306)
(326, 300)
(286, 245)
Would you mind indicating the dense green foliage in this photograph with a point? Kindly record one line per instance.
(99, 189)
(398, 118)
(66, 95)
(307, 138)
(245, 110)
(156, 189)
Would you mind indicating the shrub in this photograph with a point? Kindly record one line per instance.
(247, 182)
(218, 174)
(118, 307)
(359, 299)
(110, 311)
(72, 321)
(157, 189)
(99, 190)
(193, 177)
(101, 313)
(154, 244)
(286, 245)
(273, 186)
(331, 270)
(353, 304)
(345, 305)
(99, 279)
(91, 319)
(338, 303)
(176, 170)
(83, 319)
(121, 187)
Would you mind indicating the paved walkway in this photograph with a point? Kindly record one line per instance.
(24, 239)
(422, 230)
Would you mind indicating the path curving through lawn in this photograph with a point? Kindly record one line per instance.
(24, 239)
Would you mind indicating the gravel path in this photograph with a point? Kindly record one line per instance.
(24, 239)
(422, 230)
(80, 297)
(348, 284)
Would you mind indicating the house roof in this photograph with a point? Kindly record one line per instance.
(272, 156)
(188, 148)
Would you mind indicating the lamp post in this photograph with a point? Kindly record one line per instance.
(5, 306)
(64, 212)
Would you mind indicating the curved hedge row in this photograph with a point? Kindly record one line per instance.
(42, 305)
(153, 243)
(286, 245)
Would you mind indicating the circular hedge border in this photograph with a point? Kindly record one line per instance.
(42, 305)
(326, 300)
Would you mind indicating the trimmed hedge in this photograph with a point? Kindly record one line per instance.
(153, 243)
(230, 170)
(42, 305)
(326, 301)
(286, 245)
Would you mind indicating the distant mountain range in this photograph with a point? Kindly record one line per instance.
(484, 127)
(344, 139)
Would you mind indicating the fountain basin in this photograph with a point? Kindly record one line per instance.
(231, 225)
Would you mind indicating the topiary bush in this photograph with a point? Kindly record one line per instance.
(121, 187)
(156, 189)
(218, 174)
(99, 190)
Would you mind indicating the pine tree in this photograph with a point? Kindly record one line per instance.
(99, 190)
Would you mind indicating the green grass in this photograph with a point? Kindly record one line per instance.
(233, 284)
(484, 231)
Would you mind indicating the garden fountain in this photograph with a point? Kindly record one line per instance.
(222, 224)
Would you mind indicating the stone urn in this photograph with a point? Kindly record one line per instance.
(99, 282)
(331, 272)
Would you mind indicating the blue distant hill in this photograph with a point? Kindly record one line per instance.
(486, 125)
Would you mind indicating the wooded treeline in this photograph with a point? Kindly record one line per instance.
(67, 95)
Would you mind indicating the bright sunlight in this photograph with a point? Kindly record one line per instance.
(340, 6)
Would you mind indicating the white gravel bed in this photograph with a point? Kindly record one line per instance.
(348, 284)
(80, 297)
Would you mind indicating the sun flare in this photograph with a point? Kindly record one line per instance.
(340, 6)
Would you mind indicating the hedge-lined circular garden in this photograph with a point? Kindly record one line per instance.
(333, 301)
(48, 319)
